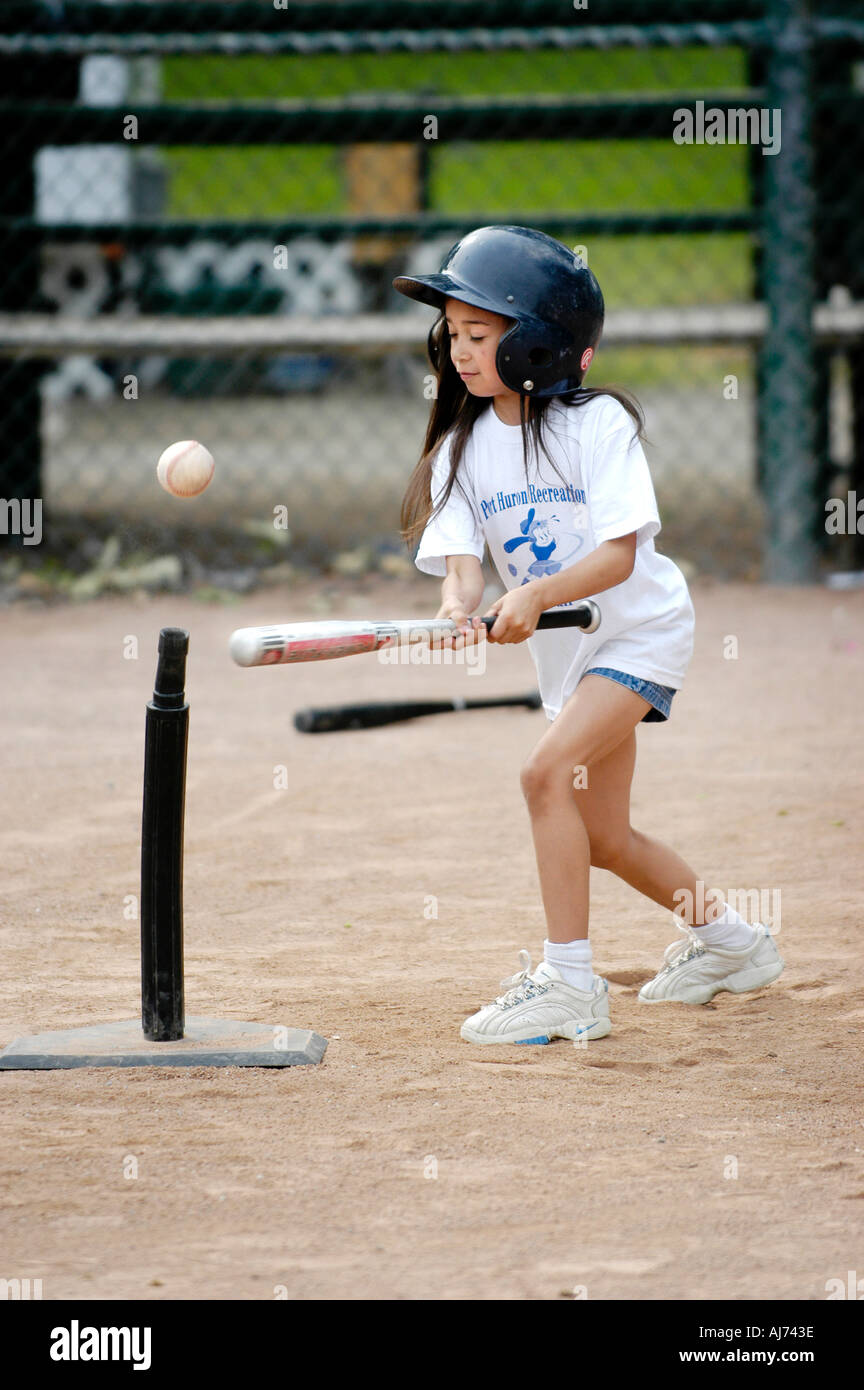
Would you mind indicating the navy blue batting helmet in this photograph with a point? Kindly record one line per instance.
(527, 276)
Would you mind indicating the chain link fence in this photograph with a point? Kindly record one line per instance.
(202, 206)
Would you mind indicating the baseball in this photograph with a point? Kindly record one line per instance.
(185, 468)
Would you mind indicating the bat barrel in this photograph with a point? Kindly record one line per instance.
(165, 747)
(278, 644)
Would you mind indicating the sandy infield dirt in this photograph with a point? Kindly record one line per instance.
(696, 1153)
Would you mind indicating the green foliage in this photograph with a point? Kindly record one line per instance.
(521, 179)
(586, 72)
(608, 176)
(250, 181)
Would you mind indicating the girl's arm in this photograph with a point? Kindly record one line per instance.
(610, 564)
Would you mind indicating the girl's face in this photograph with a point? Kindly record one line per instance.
(474, 337)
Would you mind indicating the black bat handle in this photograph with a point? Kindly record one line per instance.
(585, 615)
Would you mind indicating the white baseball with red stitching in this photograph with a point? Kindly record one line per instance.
(185, 468)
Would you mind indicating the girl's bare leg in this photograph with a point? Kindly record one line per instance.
(593, 743)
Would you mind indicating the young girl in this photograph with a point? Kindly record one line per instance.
(551, 476)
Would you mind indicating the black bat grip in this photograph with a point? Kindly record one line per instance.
(585, 615)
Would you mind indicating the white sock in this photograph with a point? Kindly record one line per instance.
(730, 932)
(572, 960)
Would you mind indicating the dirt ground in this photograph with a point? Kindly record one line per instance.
(695, 1153)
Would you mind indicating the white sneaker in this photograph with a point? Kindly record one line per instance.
(537, 1008)
(694, 972)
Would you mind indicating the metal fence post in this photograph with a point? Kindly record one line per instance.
(786, 405)
(20, 402)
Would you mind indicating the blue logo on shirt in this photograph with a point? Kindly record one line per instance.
(537, 533)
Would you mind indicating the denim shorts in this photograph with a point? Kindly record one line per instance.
(660, 696)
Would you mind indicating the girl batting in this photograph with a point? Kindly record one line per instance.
(550, 475)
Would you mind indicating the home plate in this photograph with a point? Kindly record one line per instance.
(207, 1042)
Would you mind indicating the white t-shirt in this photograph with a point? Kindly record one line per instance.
(541, 524)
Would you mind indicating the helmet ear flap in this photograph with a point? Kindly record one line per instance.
(509, 358)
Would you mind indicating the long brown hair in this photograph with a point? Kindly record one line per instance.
(455, 412)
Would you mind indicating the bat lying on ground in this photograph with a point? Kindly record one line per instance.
(326, 721)
(290, 642)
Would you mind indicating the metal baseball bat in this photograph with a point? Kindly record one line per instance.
(285, 643)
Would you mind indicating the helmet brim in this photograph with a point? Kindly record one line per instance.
(435, 289)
